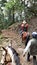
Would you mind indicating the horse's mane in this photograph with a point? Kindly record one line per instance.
(13, 50)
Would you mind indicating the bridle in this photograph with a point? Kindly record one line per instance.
(6, 62)
(9, 58)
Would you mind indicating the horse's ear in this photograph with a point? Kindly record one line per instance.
(4, 49)
(10, 44)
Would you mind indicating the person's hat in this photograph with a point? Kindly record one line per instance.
(24, 22)
(34, 33)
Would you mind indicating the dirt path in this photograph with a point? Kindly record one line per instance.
(16, 43)
(11, 34)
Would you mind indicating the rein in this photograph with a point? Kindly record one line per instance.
(6, 62)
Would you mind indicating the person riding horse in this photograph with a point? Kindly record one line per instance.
(24, 26)
(25, 34)
(23, 29)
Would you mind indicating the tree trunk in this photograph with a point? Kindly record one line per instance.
(13, 14)
(9, 19)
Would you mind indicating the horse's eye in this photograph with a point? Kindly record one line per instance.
(3, 55)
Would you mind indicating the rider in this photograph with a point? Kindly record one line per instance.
(24, 26)
(26, 34)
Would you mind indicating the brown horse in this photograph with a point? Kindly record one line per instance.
(25, 35)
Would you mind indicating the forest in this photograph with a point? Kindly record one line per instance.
(12, 11)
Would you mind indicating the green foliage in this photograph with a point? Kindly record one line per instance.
(14, 6)
(32, 10)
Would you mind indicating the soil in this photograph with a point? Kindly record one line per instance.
(12, 34)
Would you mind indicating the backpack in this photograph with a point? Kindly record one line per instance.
(34, 35)
(33, 47)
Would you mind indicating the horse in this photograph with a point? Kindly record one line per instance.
(10, 56)
(25, 37)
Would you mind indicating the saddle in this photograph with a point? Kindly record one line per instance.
(24, 35)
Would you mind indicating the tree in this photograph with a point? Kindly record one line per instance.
(14, 5)
(31, 9)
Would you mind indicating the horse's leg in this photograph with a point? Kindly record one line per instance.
(28, 56)
(34, 60)
(22, 38)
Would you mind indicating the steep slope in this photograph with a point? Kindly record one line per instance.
(12, 34)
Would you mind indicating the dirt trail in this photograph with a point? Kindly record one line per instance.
(16, 43)
(11, 34)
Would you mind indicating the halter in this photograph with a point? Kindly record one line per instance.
(6, 62)
(7, 58)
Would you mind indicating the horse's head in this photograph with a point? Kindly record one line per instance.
(10, 56)
(6, 58)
